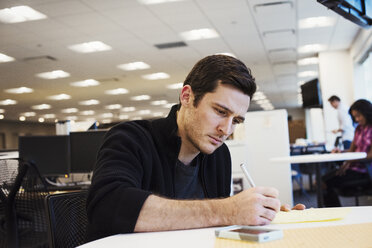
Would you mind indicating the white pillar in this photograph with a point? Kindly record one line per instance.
(336, 78)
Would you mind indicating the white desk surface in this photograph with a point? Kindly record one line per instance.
(314, 158)
(205, 237)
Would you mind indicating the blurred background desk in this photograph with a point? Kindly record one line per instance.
(205, 237)
(318, 159)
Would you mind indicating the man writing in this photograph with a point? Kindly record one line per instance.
(175, 173)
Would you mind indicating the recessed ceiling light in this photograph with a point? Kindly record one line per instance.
(20, 90)
(85, 83)
(199, 34)
(158, 114)
(118, 91)
(123, 117)
(107, 115)
(259, 95)
(113, 106)
(49, 116)
(71, 118)
(136, 118)
(2, 111)
(22, 118)
(1, 117)
(41, 106)
(106, 121)
(20, 14)
(156, 76)
(5, 58)
(89, 102)
(140, 98)
(8, 102)
(28, 114)
(307, 74)
(41, 119)
(69, 110)
(87, 112)
(149, 2)
(308, 61)
(53, 74)
(159, 102)
(128, 109)
(169, 105)
(90, 47)
(311, 48)
(316, 22)
(175, 86)
(134, 66)
(59, 97)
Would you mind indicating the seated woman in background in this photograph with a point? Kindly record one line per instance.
(355, 170)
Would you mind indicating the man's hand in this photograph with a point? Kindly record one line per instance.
(287, 208)
(343, 168)
(255, 206)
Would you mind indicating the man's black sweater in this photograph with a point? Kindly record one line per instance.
(137, 159)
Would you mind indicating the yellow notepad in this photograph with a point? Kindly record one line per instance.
(311, 215)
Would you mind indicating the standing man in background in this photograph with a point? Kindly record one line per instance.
(345, 123)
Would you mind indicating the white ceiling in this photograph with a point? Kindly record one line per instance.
(262, 33)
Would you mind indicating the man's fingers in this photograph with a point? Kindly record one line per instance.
(299, 207)
(267, 191)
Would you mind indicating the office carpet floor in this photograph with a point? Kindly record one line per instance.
(310, 199)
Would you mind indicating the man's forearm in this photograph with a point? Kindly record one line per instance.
(160, 214)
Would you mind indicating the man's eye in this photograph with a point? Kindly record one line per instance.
(221, 112)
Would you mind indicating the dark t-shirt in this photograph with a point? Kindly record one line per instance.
(187, 181)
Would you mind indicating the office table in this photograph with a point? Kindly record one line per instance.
(317, 159)
(205, 237)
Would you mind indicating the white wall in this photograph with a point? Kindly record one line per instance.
(315, 131)
(267, 137)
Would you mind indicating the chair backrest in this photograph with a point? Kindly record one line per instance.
(67, 218)
(315, 149)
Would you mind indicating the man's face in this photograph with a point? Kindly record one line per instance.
(214, 119)
(335, 104)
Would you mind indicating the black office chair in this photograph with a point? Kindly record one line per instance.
(295, 170)
(67, 219)
(22, 195)
(358, 188)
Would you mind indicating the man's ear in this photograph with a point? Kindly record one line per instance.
(186, 96)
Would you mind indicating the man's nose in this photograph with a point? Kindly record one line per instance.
(225, 127)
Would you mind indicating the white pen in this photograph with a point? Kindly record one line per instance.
(245, 171)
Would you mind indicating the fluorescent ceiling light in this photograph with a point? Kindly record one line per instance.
(316, 22)
(87, 112)
(28, 114)
(8, 102)
(144, 112)
(128, 109)
(90, 47)
(20, 14)
(159, 102)
(123, 117)
(140, 98)
(69, 110)
(22, 118)
(71, 118)
(107, 115)
(20, 90)
(175, 86)
(85, 83)
(156, 76)
(149, 2)
(41, 106)
(136, 118)
(227, 54)
(308, 61)
(158, 114)
(106, 121)
(113, 106)
(312, 48)
(169, 105)
(299, 83)
(49, 116)
(2, 111)
(118, 91)
(259, 95)
(53, 74)
(41, 119)
(134, 66)
(59, 97)
(5, 58)
(89, 102)
(1, 117)
(199, 34)
(307, 74)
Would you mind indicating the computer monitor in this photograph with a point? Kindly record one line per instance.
(51, 154)
(84, 149)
